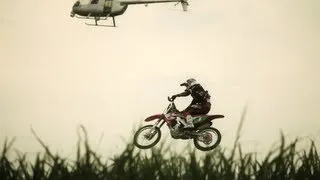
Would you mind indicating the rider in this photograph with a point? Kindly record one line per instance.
(200, 104)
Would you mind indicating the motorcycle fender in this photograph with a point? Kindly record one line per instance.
(205, 125)
(153, 117)
(216, 116)
(207, 118)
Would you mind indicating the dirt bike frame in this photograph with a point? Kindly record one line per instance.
(171, 113)
(201, 133)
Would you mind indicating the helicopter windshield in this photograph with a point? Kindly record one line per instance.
(76, 4)
(94, 1)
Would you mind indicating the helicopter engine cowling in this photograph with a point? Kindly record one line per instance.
(90, 9)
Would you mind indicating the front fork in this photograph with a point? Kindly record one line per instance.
(152, 131)
(159, 123)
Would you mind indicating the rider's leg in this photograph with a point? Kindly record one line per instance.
(188, 113)
(195, 110)
(205, 109)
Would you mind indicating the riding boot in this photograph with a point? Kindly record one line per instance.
(189, 122)
(182, 121)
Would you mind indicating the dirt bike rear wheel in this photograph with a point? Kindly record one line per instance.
(206, 138)
(151, 132)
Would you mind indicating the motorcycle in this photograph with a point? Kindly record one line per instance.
(205, 137)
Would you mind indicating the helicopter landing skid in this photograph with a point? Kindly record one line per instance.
(104, 25)
(96, 19)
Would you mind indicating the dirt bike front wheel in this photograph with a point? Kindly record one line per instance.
(208, 139)
(149, 134)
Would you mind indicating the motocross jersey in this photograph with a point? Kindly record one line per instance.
(199, 95)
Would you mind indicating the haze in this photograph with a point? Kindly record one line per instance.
(57, 73)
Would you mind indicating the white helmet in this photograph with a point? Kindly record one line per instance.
(190, 82)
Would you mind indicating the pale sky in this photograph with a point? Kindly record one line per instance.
(57, 73)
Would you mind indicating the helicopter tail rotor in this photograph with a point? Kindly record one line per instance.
(184, 4)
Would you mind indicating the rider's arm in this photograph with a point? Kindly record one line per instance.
(185, 93)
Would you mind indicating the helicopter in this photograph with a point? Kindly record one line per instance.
(103, 9)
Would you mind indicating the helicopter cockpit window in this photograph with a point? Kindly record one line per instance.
(76, 4)
(94, 1)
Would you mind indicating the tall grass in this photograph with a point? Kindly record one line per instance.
(283, 162)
